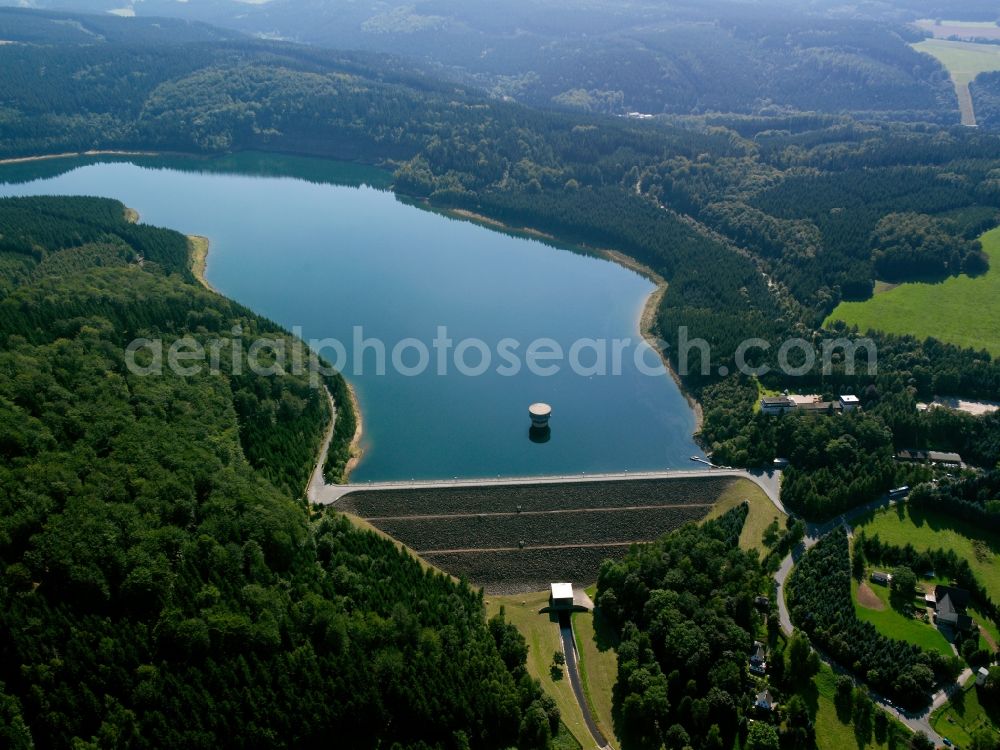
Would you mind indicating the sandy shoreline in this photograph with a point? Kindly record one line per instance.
(359, 430)
(648, 318)
(198, 250)
(73, 154)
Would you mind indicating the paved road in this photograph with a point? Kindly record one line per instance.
(569, 650)
(317, 482)
(327, 494)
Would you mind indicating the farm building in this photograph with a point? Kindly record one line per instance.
(944, 459)
(950, 607)
(916, 456)
(776, 404)
(561, 596)
(882, 579)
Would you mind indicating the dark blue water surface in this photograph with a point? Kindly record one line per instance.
(323, 246)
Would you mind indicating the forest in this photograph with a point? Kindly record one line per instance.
(163, 582)
(684, 609)
(600, 56)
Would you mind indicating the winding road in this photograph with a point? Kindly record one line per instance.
(916, 721)
(321, 493)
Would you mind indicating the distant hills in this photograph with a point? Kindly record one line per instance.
(595, 55)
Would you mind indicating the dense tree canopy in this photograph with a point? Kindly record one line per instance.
(160, 583)
(684, 607)
(819, 598)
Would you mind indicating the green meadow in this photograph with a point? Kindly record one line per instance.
(927, 530)
(964, 60)
(960, 310)
(894, 624)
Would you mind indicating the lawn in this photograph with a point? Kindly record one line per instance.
(958, 719)
(926, 530)
(960, 310)
(542, 634)
(893, 624)
(831, 732)
(595, 643)
(762, 512)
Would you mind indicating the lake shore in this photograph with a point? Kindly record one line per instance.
(75, 154)
(357, 452)
(648, 317)
(198, 249)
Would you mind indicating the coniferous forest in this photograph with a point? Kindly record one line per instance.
(162, 585)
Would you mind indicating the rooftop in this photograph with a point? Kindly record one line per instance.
(943, 457)
(562, 590)
(540, 410)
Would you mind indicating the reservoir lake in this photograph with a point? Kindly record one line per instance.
(325, 248)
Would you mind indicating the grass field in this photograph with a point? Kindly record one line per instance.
(958, 719)
(964, 61)
(960, 310)
(929, 530)
(542, 634)
(598, 666)
(762, 512)
(893, 624)
(831, 732)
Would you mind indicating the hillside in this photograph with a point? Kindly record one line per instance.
(162, 584)
(602, 56)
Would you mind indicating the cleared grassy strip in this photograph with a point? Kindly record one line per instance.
(595, 642)
(526, 570)
(960, 310)
(542, 634)
(893, 624)
(927, 530)
(762, 512)
(535, 497)
(490, 532)
(964, 61)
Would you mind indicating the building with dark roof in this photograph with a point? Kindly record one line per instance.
(950, 607)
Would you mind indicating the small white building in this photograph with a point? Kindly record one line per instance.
(849, 402)
(981, 674)
(561, 595)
